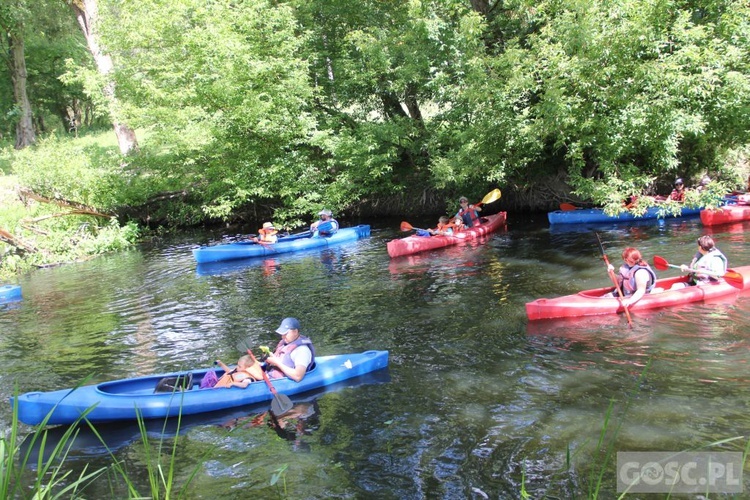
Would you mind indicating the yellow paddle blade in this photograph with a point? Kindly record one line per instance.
(493, 195)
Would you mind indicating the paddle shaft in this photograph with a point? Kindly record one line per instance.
(265, 375)
(732, 277)
(280, 401)
(614, 281)
(699, 271)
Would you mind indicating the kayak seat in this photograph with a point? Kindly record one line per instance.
(183, 382)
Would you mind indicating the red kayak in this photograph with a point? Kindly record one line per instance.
(415, 244)
(591, 302)
(725, 215)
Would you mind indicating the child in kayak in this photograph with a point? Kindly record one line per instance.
(247, 371)
(266, 234)
(444, 227)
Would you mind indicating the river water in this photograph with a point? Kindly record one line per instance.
(476, 401)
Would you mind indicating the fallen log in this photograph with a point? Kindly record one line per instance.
(17, 242)
(79, 208)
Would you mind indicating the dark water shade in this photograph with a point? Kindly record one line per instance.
(476, 400)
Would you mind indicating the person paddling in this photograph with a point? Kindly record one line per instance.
(635, 278)
(469, 213)
(444, 227)
(326, 226)
(707, 258)
(294, 355)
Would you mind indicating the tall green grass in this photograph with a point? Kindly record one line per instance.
(48, 481)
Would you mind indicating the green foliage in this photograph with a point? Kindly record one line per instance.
(287, 107)
(50, 480)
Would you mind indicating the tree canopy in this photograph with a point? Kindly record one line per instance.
(289, 106)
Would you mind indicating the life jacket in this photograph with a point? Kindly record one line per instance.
(284, 351)
(469, 215)
(676, 195)
(627, 275)
(229, 377)
(327, 228)
(448, 228)
(268, 235)
(704, 262)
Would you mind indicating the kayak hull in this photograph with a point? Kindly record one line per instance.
(591, 302)
(597, 215)
(293, 243)
(725, 215)
(10, 293)
(129, 399)
(415, 244)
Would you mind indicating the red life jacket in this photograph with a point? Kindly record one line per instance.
(470, 216)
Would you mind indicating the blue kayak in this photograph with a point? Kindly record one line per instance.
(9, 293)
(127, 399)
(597, 215)
(286, 244)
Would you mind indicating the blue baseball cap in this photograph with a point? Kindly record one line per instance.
(287, 324)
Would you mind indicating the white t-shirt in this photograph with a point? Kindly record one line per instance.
(302, 355)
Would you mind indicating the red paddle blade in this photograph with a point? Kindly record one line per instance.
(567, 207)
(660, 263)
(735, 279)
(405, 226)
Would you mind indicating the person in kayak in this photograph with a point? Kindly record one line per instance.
(266, 234)
(247, 371)
(294, 355)
(707, 258)
(635, 278)
(468, 213)
(444, 227)
(678, 193)
(326, 226)
(458, 224)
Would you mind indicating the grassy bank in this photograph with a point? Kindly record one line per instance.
(51, 209)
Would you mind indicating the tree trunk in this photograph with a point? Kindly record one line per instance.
(87, 13)
(25, 135)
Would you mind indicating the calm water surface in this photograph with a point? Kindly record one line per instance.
(476, 401)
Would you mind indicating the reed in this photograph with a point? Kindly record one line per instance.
(48, 479)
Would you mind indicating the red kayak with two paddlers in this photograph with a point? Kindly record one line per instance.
(593, 302)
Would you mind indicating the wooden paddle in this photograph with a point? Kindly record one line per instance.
(567, 207)
(281, 402)
(614, 280)
(732, 277)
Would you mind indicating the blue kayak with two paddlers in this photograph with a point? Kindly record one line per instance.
(285, 244)
(134, 398)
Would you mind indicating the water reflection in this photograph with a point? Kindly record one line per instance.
(292, 426)
(481, 401)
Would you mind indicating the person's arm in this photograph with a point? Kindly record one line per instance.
(641, 284)
(242, 383)
(301, 356)
(297, 373)
(475, 207)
